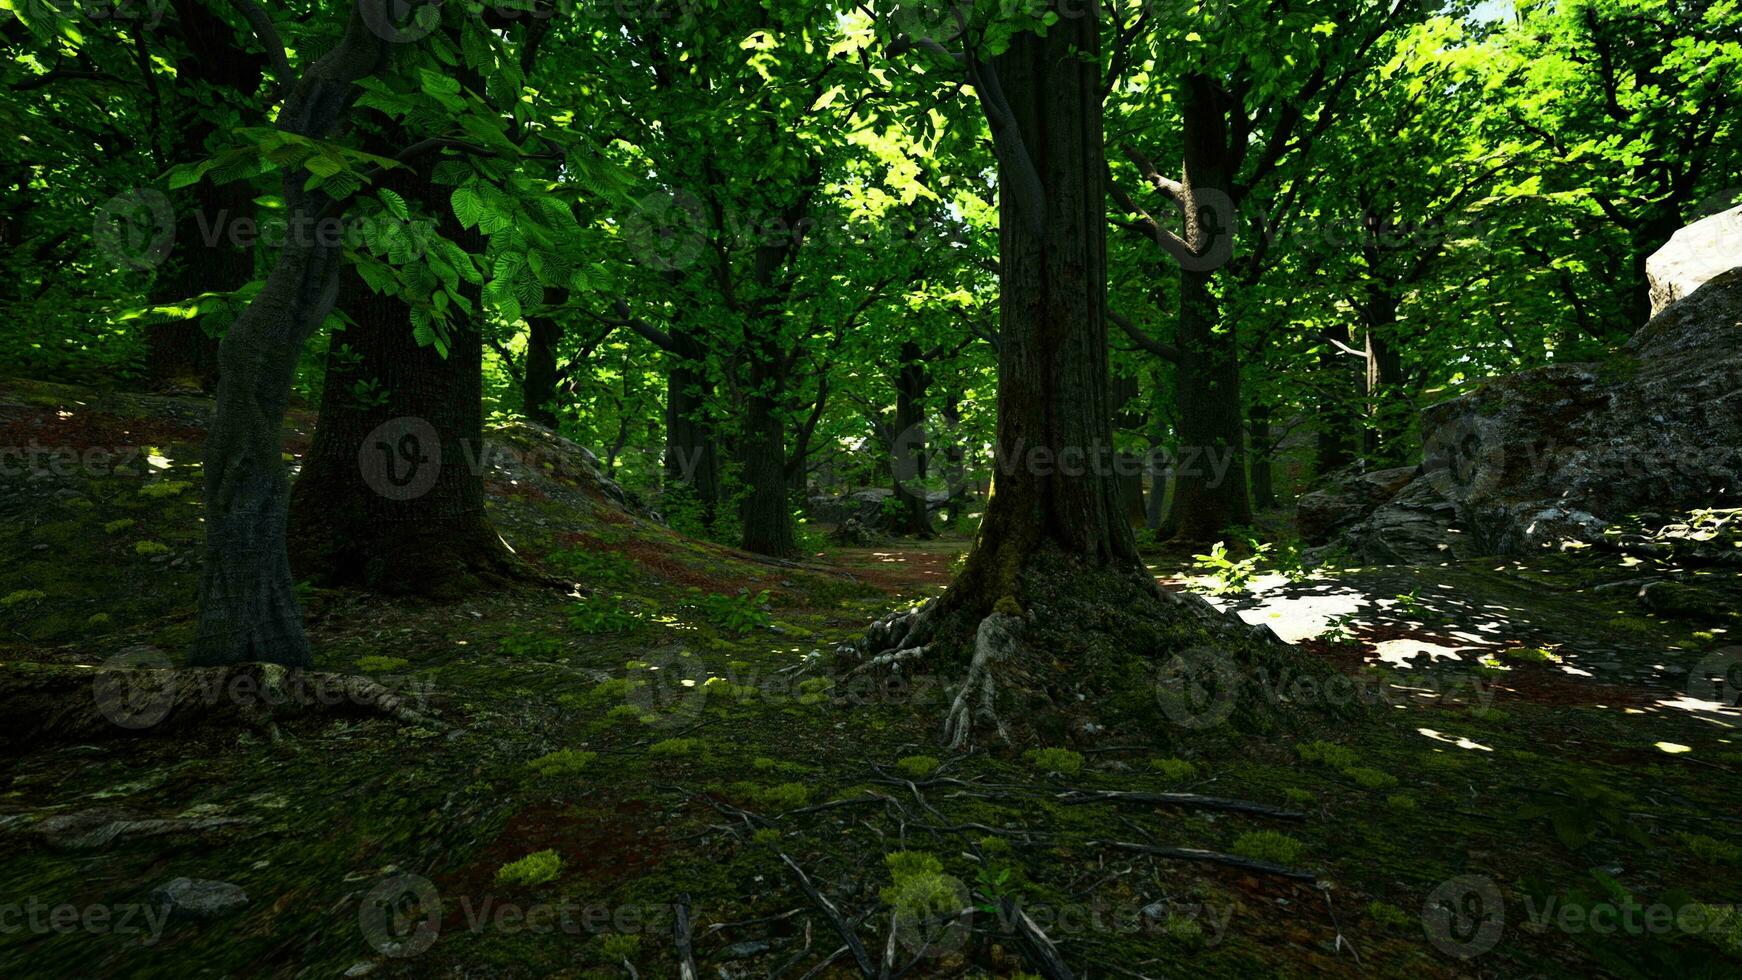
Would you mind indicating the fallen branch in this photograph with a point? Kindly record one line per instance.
(1209, 857)
(1079, 797)
(1035, 946)
(860, 957)
(686, 954)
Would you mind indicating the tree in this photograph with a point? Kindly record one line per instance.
(248, 607)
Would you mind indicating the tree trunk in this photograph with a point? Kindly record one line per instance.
(391, 496)
(538, 388)
(1129, 470)
(766, 511)
(907, 457)
(1384, 382)
(1210, 493)
(1053, 486)
(692, 452)
(1333, 443)
(179, 354)
(248, 609)
(1263, 466)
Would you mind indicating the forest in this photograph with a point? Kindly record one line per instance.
(1034, 489)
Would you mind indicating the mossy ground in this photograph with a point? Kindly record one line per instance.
(588, 743)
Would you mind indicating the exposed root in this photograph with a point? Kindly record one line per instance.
(995, 644)
(71, 703)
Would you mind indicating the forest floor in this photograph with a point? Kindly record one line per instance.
(1547, 788)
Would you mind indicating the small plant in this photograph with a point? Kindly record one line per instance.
(533, 869)
(1412, 606)
(22, 596)
(739, 613)
(786, 796)
(767, 837)
(1327, 753)
(1337, 629)
(375, 663)
(620, 946)
(1227, 574)
(562, 762)
(1062, 761)
(1581, 809)
(164, 489)
(1371, 778)
(917, 766)
(1711, 849)
(623, 712)
(1532, 655)
(150, 548)
(815, 690)
(1400, 801)
(591, 567)
(1174, 770)
(1388, 916)
(531, 645)
(1268, 845)
(598, 615)
(675, 747)
(116, 527)
(1299, 797)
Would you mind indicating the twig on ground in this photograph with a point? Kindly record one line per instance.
(860, 957)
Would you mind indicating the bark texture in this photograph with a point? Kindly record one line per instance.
(248, 609)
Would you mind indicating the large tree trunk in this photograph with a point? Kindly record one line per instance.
(248, 609)
(538, 387)
(391, 495)
(907, 457)
(179, 354)
(1053, 486)
(1130, 468)
(1210, 493)
(1384, 382)
(1263, 462)
(766, 510)
(1336, 423)
(692, 452)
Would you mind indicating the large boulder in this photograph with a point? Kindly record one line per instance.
(1695, 256)
(1556, 454)
(1346, 498)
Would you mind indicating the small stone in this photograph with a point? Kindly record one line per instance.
(195, 898)
(746, 949)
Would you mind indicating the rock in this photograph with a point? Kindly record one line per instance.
(1349, 497)
(1689, 601)
(1693, 257)
(745, 950)
(1550, 456)
(1418, 526)
(195, 898)
(853, 533)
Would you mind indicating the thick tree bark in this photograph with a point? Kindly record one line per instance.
(538, 387)
(692, 451)
(179, 355)
(1210, 493)
(908, 456)
(391, 496)
(1053, 484)
(766, 510)
(248, 609)
(1130, 468)
(1263, 467)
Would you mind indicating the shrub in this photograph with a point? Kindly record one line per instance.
(1328, 754)
(562, 762)
(1174, 770)
(533, 869)
(1268, 845)
(1062, 761)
